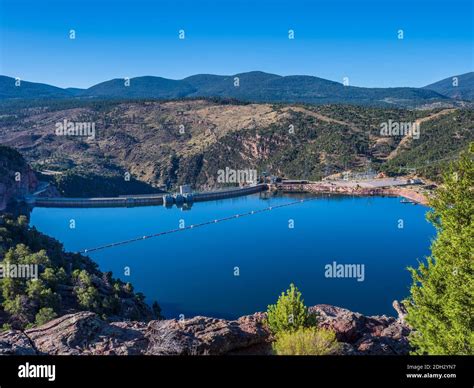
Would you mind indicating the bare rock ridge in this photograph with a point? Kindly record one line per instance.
(84, 333)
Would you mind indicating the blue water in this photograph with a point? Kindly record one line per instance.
(192, 272)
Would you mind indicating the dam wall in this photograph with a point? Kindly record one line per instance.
(223, 194)
(143, 200)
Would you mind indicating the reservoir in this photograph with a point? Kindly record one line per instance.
(238, 267)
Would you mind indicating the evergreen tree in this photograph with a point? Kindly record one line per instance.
(440, 307)
(44, 315)
(289, 313)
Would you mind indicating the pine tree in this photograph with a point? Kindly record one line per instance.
(440, 307)
(45, 315)
(289, 313)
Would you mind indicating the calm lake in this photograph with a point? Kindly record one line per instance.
(193, 272)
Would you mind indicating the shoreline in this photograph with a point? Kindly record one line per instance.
(337, 188)
(323, 188)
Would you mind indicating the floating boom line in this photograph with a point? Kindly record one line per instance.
(194, 226)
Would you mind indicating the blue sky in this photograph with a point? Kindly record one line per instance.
(333, 39)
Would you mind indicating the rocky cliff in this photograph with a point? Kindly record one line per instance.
(84, 333)
(16, 176)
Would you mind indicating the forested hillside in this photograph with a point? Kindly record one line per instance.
(145, 146)
(253, 86)
(66, 282)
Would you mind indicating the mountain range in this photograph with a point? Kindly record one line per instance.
(253, 86)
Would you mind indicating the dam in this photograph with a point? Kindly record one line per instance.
(145, 200)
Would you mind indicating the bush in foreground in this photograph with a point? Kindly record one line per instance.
(309, 341)
(289, 313)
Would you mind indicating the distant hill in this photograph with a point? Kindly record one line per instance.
(464, 90)
(253, 86)
(8, 89)
(263, 87)
(141, 87)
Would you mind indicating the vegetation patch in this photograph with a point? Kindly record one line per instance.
(440, 306)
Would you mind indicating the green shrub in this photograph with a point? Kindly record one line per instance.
(289, 313)
(86, 293)
(54, 277)
(88, 298)
(6, 327)
(15, 306)
(45, 314)
(309, 341)
(37, 291)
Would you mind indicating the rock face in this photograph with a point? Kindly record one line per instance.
(16, 176)
(365, 335)
(84, 333)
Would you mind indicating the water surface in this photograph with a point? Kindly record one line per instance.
(193, 272)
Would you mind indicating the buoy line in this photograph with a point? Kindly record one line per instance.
(194, 226)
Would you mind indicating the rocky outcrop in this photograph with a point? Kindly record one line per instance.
(84, 333)
(16, 177)
(401, 310)
(365, 335)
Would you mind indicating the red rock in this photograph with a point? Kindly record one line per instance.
(85, 333)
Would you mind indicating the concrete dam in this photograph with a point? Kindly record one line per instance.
(146, 200)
